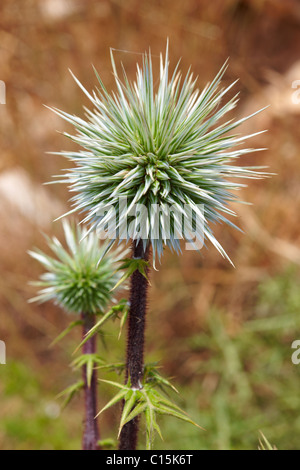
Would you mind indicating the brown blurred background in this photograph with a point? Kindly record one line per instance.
(39, 41)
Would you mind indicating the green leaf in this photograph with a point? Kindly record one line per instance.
(130, 400)
(151, 425)
(264, 444)
(95, 328)
(65, 332)
(149, 402)
(70, 392)
(131, 265)
(119, 396)
(152, 376)
(89, 361)
(177, 414)
(122, 307)
(138, 409)
(108, 444)
(116, 384)
(123, 321)
(117, 367)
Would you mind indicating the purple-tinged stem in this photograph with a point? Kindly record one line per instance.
(135, 342)
(90, 433)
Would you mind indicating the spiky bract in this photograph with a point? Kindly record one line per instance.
(167, 145)
(78, 278)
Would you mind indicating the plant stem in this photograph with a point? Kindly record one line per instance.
(90, 434)
(135, 342)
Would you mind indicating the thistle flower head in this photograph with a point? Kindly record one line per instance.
(75, 278)
(160, 147)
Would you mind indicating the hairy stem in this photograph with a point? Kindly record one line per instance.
(135, 342)
(90, 432)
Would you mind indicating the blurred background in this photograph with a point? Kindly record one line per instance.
(223, 334)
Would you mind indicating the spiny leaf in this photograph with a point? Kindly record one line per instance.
(116, 384)
(152, 376)
(65, 332)
(138, 409)
(95, 328)
(130, 400)
(180, 415)
(113, 313)
(123, 320)
(89, 361)
(71, 392)
(151, 425)
(264, 444)
(146, 401)
(119, 396)
(130, 265)
(117, 367)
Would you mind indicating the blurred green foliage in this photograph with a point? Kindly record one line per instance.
(243, 382)
(31, 417)
(244, 379)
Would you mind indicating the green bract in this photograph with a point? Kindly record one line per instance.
(161, 146)
(79, 278)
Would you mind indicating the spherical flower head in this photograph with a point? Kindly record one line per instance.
(79, 278)
(161, 148)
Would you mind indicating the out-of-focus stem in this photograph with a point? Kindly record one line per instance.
(135, 342)
(90, 433)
